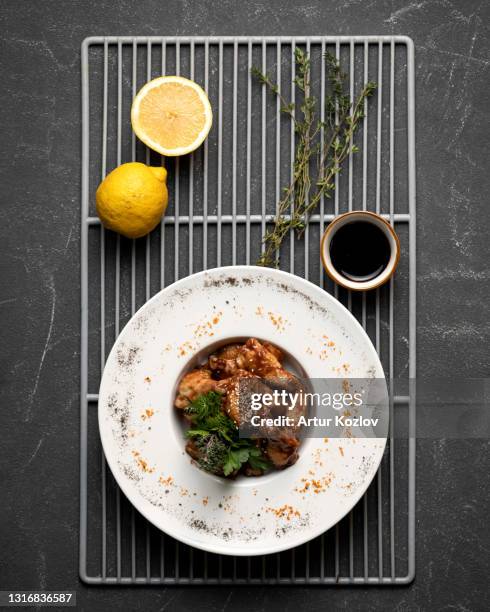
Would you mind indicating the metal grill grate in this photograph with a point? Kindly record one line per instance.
(221, 199)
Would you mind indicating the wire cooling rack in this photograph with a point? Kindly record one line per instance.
(221, 200)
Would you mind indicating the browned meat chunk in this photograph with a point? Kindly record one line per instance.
(274, 350)
(281, 453)
(192, 385)
(253, 356)
(223, 363)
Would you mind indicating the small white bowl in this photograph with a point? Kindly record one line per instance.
(384, 226)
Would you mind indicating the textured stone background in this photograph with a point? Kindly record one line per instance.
(39, 302)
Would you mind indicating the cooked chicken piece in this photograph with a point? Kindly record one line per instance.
(192, 385)
(274, 350)
(223, 363)
(260, 359)
(282, 454)
(230, 351)
(224, 384)
(255, 358)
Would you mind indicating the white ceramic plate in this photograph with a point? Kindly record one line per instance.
(143, 438)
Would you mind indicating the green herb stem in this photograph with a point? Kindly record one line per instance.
(341, 122)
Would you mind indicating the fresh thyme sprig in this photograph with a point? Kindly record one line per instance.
(341, 122)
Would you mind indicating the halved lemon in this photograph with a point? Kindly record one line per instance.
(171, 115)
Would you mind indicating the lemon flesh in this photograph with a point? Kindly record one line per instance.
(171, 115)
(132, 199)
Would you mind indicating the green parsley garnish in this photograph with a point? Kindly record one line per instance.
(216, 437)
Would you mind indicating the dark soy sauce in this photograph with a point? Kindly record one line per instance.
(360, 251)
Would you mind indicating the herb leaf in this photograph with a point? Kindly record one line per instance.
(204, 406)
(232, 463)
(257, 460)
(342, 119)
(216, 437)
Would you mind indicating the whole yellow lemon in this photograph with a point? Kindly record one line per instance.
(132, 199)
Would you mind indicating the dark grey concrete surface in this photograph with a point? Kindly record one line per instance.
(39, 300)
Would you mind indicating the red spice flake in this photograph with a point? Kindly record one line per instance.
(184, 348)
(328, 342)
(166, 481)
(184, 492)
(327, 346)
(145, 467)
(200, 331)
(142, 463)
(345, 385)
(317, 485)
(341, 451)
(343, 369)
(305, 487)
(323, 484)
(278, 321)
(147, 379)
(286, 511)
(205, 501)
(205, 328)
(148, 413)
